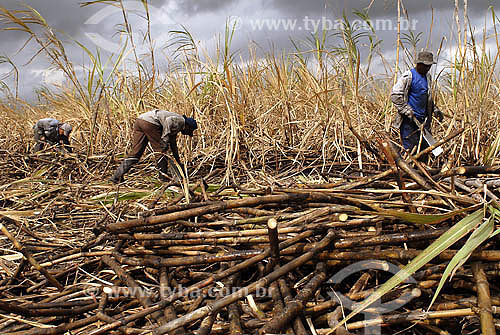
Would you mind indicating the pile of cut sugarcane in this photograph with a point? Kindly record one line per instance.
(288, 259)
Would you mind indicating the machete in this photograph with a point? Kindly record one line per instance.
(426, 134)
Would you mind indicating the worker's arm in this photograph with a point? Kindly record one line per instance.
(172, 125)
(66, 144)
(399, 95)
(169, 130)
(175, 149)
(434, 110)
(39, 137)
(39, 132)
(437, 112)
(175, 152)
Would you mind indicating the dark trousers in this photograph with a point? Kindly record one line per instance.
(144, 133)
(410, 134)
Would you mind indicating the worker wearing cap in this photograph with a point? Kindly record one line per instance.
(160, 128)
(52, 132)
(412, 97)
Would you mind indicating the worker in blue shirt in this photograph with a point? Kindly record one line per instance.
(412, 97)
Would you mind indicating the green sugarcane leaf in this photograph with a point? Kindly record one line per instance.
(492, 151)
(423, 218)
(481, 234)
(110, 197)
(455, 233)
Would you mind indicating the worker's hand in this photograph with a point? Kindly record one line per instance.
(439, 115)
(408, 112)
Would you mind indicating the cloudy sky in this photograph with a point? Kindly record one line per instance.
(268, 25)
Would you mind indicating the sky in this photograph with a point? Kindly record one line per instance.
(266, 25)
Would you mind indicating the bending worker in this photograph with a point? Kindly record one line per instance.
(160, 128)
(412, 97)
(52, 132)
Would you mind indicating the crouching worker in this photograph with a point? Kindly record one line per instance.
(52, 132)
(160, 128)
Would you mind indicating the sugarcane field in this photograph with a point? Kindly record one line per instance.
(229, 167)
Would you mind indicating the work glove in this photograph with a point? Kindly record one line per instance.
(407, 111)
(439, 115)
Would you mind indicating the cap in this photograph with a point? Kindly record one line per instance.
(190, 125)
(66, 127)
(425, 57)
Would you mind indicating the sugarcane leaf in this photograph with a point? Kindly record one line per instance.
(110, 197)
(422, 218)
(16, 215)
(482, 233)
(462, 262)
(11, 257)
(213, 187)
(492, 151)
(37, 14)
(455, 233)
(495, 211)
(40, 172)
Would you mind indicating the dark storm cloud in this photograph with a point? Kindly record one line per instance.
(207, 18)
(376, 8)
(337, 7)
(61, 15)
(199, 6)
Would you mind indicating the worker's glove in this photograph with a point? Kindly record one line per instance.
(407, 111)
(439, 115)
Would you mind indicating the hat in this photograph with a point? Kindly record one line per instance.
(190, 125)
(66, 127)
(425, 57)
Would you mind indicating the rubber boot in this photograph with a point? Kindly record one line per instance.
(162, 166)
(124, 167)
